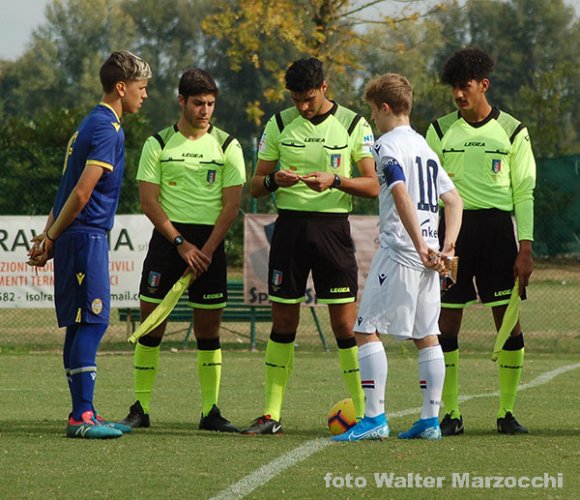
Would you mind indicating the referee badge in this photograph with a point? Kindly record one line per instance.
(211, 176)
(154, 279)
(277, 277)
(495, 166)
(335, 161)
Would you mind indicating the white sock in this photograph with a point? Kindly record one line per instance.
(431, 378)
(373, 374)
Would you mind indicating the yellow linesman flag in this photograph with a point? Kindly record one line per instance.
(510, 319)
(163, 309)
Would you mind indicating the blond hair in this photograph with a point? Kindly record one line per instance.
(123, 66)
(393, 89)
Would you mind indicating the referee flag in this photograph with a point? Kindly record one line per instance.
(163, 309)
(510, 318)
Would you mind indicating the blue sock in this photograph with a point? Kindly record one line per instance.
(83, 367)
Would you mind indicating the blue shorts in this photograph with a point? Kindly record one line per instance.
(81, 277)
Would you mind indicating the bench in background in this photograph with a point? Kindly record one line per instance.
(236, 311)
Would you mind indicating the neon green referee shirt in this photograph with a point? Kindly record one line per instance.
(192, 174)
(491, 164)
(331, 143)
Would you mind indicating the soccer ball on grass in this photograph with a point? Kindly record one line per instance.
(341, 417)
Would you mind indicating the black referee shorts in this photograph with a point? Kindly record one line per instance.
(163, 267)
(487, 249)
(317, 242)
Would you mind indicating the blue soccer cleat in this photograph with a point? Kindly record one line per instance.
(368, 428)
(425, 428)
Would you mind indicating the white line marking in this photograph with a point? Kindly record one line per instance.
(266, 472)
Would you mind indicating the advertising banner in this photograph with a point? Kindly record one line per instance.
(22, 286)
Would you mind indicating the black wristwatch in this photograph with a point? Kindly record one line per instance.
(178, 240)
(336, 182)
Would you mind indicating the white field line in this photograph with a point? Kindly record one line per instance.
(265, 473)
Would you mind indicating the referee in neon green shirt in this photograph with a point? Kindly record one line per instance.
(306, 158)
(191, 176)
(488, 155)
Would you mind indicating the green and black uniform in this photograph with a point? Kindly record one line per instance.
(492, 166)
(191, 175)
(312, 231)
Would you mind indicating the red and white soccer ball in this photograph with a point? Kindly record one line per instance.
(341, 417)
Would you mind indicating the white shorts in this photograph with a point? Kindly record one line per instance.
(399, 300)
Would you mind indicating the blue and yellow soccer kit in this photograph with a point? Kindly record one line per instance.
(81, 262)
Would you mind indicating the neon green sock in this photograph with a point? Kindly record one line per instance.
(450, 395)
(351, 374)
(209, 371)
(510, 372)
(279, 360)
(146, 364)
(289, 368)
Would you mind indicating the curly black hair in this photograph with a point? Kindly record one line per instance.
(304, 75)
(465, 65)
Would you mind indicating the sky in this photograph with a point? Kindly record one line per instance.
(19, 17)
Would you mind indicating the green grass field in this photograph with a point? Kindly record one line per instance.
(175, 460)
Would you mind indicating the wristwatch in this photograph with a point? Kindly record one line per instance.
(178, 240)
(336, 182)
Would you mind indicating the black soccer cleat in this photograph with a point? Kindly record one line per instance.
(214, 421)
(509, 425)
(451, 426)
(137, 417)
(264, 425)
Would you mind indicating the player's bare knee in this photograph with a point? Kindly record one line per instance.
(343, 331)
(428, 341)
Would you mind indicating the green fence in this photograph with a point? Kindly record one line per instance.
(549, 316)
(557, 208)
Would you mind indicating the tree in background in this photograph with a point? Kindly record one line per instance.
(247, 46)
(261, 38)
(168, 35)
(409, 47)
(534, 43)
(58, 71)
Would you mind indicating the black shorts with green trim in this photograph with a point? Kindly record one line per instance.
(487, 249)
(317, 242)
(163, 267)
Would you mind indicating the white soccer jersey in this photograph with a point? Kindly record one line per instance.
(402, 155)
